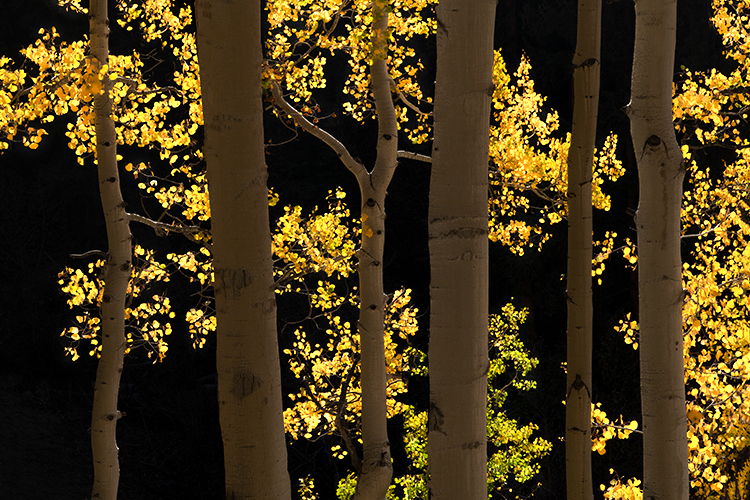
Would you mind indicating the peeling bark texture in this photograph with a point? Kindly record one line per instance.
(665, 454)
(247, 357)
(580, 307)
(116, 275)
(457, 439)
(377, 469)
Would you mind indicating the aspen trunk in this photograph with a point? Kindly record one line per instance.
(660, 173)
(377, 469)
(116, 276)
(247, 357)
(458, 227)
(580, 309)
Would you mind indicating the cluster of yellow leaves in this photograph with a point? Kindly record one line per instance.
(711, 107)
(629, 329)
(603, 429)
(321, 243)
(715, 318)
(711, 110)
(528, 164)
(185, 188)
(301, 32)
(330, 373)
(619, 490)
(146, 318)
(58, 78)
(306, 488)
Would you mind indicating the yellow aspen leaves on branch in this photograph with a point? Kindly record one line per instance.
(619, 490)
(57, 78)
(710, 110)
(603, 429)
(147, 318)
(323, 243)
(329, 400)
(528, 163)
(159, 111)
(303, 33)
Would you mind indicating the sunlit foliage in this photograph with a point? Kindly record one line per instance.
(147, 319)
(514, 451)
(303, 36)
(315, 253)
(710, 111)
(528, 163)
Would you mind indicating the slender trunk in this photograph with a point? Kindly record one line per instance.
(580, 308)
(377, 469)
(247, 356)
(660, 173)
(459, 251)
(116, 276)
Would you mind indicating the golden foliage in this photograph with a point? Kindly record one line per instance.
(301, 33)
(528, 163)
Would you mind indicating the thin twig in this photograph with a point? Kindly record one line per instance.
(88, 254)
(160, 226)
(620, 427)
(402, 98)
(340, 424)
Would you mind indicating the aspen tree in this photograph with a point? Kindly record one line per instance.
(105, 415)
(458, 227)
(247, 358)
(660, 173)
(375, 468)
(580, 308)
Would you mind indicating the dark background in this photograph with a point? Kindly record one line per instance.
(170, 445)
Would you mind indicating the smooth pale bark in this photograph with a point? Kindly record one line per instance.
(376, 469)
(580, 308)
(116, 275)
(458, 361)
(247, 357)
(660, 173)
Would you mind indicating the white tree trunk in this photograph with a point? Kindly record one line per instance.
(458, 224)
(377, 469)
(580, 309)
(116, 277)
(247, 358)
(660, 172)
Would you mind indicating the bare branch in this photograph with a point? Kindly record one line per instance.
(414, 156)
(88, 254)
(597, 425)
(133, 87)
(356, 167)
(735, 90)
(160, 226)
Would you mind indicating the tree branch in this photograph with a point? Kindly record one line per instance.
(597, 425)
(160, 226)
(356, 167)
(341, 425)
(402, 98)
(90, 253)
(133, 87)
(414, 156)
